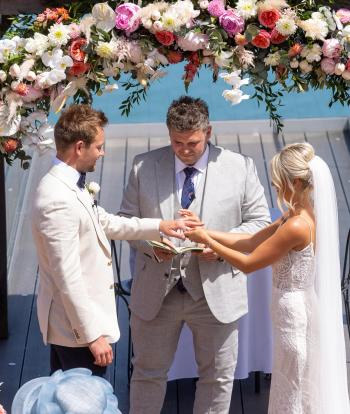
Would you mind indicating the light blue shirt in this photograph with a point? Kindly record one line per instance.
(200, 166)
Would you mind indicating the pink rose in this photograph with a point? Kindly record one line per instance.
(328, 66)
(262, 39)
(331, 48)
(127, 17)
(277, 38)
(343, 15)
(78, 68)
(231, 22)
(216, 8)
(268, 18)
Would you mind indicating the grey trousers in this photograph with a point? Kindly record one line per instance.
(155, 343)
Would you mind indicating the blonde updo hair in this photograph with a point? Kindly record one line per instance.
(291, 163)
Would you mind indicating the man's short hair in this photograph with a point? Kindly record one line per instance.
(188, 114)
(78, 123)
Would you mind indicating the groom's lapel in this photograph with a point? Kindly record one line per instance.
(165, 176)
(87, 202)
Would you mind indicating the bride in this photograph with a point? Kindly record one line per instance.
(309, 369)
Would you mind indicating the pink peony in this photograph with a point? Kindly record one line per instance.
(231, 22)
(277, 38)
(343, 15)
(127, 17)
(74, 30)
(331, 48)
(262, 39)
(216, 8)
(328, 66)
(268, 18)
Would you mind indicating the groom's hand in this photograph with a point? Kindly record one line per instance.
(102, 351)
(176, 228)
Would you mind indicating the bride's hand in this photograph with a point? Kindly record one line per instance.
(197, 235)
(187, 214)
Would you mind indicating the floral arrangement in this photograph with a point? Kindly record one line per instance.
(82, 51)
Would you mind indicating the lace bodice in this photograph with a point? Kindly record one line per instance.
(296, 270)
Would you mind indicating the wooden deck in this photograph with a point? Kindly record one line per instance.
(23, 356)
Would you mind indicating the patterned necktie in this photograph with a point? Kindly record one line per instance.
(188, 195)
(81, 181)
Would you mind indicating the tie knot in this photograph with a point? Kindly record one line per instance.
(189, 171)
(81, 181)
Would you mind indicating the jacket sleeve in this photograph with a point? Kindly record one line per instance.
(59, 230)
(255, 212)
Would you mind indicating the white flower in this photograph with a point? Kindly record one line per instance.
(223, 59)
(155, 58)
(246, 8)
(235, 96)
(305, 66)
(110, 88)
(286, 26)
(169, 21)
(85, 25)
(157, 26)
(47, 79)
(272, 59)
(31, 76)
(346, 33)
(9, 125)
(234, 79)
(59, 34)
(294, 64)
(7, 47)
(312, 53)
(193, 41)
(315, 28)
(15, 71)
(104, 16)
(3, 76)
(37, 45)
(105, 50)
(93, 188)
(55, 59)
(339, 68)
(155, 15)
(272, 4)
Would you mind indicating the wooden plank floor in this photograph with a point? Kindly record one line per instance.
(23, 356)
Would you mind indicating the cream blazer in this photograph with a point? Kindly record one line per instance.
(76, 302)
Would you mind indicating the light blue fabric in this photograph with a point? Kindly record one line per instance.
(75, 391)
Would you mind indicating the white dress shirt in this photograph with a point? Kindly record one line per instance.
(200, 166)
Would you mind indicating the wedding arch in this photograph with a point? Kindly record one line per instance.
(82, 50)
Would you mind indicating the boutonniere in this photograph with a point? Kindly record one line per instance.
(93, 189)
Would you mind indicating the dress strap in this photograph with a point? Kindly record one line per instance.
(308, 223)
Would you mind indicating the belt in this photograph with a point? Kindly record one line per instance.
(180, 286)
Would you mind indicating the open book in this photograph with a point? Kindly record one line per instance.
(174, 250)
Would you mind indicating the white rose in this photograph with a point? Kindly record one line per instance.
(93, 188)
(204, 4)
(235, 96)
(31, 76)
(305, 67)
(158, 26)
(3, 76)
(155, 15)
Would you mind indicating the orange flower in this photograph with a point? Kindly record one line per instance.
(295, 50)
(277, 38)
(165, 38)
(262, 39)
(174, 56)
(10, 145)
(268, 18)
(63, 13)
(78, 68)
(75, 49)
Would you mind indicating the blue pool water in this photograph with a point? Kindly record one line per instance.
(311, 104)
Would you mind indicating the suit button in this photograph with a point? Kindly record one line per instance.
(109, 263)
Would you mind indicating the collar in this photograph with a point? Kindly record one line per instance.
(200, 165)
(70, 173)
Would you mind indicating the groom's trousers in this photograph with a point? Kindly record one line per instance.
(155, 343)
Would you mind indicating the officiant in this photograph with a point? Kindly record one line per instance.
(223, 189)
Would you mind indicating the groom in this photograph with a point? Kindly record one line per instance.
(76, 304)
(223, 189)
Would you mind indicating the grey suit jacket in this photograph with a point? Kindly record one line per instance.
(233, 200)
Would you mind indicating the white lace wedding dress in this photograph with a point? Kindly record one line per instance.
(294, 380)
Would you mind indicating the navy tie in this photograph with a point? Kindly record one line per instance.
(81, 181)
(188, 195)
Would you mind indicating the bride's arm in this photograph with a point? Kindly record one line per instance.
(244, 242)
(291, 235)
